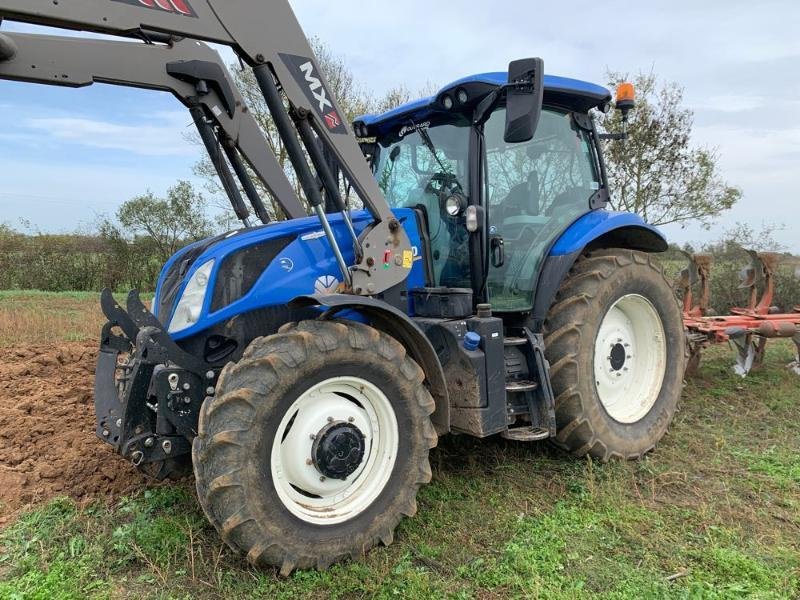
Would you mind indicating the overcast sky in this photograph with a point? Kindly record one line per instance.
(68, 155)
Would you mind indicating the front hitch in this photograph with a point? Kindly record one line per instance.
(148, 390)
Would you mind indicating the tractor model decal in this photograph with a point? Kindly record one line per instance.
(181, 7)
(306, 74)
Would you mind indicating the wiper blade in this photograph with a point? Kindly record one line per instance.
(426, 139)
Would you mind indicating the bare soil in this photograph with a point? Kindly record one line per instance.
(48, 446)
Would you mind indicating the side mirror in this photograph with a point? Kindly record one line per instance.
(524, 99)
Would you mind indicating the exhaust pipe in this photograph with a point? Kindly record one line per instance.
(8, 49)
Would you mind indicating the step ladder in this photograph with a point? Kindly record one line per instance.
(536, 390)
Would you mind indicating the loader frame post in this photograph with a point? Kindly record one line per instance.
(211, 144)
(307, 180)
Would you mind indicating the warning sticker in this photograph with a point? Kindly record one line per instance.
(408, 259)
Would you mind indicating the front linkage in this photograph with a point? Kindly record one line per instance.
(148, 391)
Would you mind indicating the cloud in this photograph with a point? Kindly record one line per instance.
(730, 103)
(159, 134)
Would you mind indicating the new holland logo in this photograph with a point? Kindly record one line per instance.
(326, 285)
(307, 76)
(180, 7)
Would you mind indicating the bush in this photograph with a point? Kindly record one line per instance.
(76, 262)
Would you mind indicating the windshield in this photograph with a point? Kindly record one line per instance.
(535, 190)
(419, 168)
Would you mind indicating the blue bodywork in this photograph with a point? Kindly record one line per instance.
(307, 264)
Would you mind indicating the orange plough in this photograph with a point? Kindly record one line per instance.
(748, 329)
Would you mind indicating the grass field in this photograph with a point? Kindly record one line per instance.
(713, 513)
(47, 317)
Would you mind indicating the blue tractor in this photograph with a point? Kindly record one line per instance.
(306, 367)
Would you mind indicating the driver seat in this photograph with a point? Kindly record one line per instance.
(523, 199)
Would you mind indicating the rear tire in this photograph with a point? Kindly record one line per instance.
(280, 470)
(615, 341)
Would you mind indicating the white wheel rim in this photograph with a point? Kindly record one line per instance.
(630, 359)
(303, 489)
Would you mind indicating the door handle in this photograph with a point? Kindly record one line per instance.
(498, 251)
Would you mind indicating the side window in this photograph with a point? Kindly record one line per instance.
(542, 176)
(535, 190)
(396, 177)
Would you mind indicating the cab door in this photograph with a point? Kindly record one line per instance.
(534, 191)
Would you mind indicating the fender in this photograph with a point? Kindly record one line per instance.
(593, 231)
(396, 323)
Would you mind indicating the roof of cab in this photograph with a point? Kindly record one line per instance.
(578, 95)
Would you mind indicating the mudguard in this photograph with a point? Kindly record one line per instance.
(595, 230)
(397, 324)
(627, 228)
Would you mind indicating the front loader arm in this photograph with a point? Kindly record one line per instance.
(267, 36)
(76, 62)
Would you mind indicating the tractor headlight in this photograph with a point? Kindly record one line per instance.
(187, 313)
(455, 205)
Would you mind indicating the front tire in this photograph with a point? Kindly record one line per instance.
(315, 445)
(615, 341)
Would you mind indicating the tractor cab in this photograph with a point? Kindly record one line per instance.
(449, 157)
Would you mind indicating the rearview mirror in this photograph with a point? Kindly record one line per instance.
(524, 99)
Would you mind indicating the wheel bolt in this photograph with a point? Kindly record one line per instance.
(322, 479)
(309, 462)
(330, 419)
(312, 436)
(351, 420)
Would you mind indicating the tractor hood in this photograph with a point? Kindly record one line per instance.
(251, 269)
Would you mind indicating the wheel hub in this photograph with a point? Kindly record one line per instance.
(618, 356)
(338, 450)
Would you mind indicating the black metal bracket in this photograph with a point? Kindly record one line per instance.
(197, 72)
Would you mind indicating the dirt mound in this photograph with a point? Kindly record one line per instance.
(48, 446)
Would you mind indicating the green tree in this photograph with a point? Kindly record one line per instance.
(658, 172)
(167, 223)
